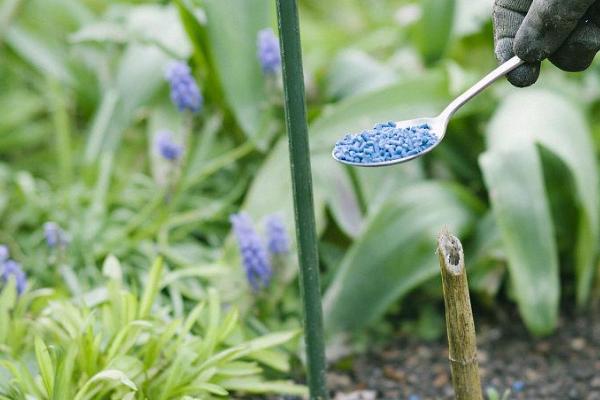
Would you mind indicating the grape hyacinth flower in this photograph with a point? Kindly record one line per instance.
(278, 241)
(518, 386)
(55, 236)
(4, 253)
(185, 93)
(254, 255)
(11, 268)
(166, 147)
(268, 51)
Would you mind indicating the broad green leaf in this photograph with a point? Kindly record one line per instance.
(515, 183)
(232, 27)
(434, 31)
(394, 253)
(159, 25)
(47, 60)
(139, 75)
(471, 15)
(353, 72)
(542, 117)
(100, 32)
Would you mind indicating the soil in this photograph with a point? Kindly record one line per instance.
(563, 366)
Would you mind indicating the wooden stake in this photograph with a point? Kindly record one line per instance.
(459, 319)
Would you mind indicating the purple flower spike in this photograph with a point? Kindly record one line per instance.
(254, 255)
(278, 241)
(12, 268)
(55, 236)
(4, 253)
(268, 51)
(166, 147)
(185, 93)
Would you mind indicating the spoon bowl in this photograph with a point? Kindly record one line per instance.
(437, 125)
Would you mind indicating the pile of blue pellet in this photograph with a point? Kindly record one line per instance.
(385, 142)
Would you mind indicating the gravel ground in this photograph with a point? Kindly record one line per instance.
(562, 367)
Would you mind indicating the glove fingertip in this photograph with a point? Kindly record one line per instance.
(525, 75)
(570, 64)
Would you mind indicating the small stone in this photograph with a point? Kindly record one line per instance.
(543, 347)
(578, 344)
(357, 395)
(574, 394)
(393, 373)
(440, 380)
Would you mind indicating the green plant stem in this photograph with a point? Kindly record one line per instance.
(462, 342)
(295, 116)
(62, 130)
(218, 163)
(8, 13)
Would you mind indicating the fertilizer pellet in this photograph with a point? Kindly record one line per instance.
(385, 142)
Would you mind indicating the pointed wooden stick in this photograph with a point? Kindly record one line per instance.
(459, 319)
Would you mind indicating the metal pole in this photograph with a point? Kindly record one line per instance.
(295, 116)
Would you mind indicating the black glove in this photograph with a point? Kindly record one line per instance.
(565, 31)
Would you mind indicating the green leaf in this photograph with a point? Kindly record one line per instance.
(434, 31)
(135, 84)
(109, 375)
(45, 365)
(394, 253)
(353, 72)
(254, 385)
(64, 373)
(151, 289)
(47, 60)
(542, 117)
(471, 15)
(232, 27)
(111, 268)
(517, 193)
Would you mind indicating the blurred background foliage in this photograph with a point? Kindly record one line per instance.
(82, 92)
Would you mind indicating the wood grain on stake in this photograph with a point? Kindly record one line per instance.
(459, 319)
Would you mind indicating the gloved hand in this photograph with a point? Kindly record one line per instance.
(565, 31)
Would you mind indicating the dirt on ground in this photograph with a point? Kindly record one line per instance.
(565, 366)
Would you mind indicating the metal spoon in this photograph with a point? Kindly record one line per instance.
(438, 124)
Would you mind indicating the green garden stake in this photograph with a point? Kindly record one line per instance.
(295, 116)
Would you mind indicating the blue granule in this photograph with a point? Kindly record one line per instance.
(385, 142)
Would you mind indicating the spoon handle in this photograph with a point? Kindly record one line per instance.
(486, 81)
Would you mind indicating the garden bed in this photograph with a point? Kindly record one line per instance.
(563, 366)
